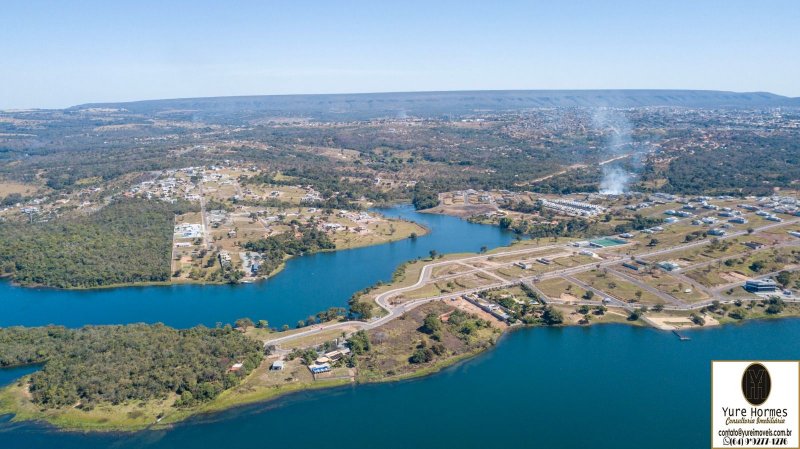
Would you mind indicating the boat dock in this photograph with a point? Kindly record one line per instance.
(681, 337)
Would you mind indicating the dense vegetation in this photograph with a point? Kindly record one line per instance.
(114, 364)
(339, 192)
(577, 226)
(424, 197)
(744, 167)
(125, 242)
(274, 249)
(573, 181)
(70, 149)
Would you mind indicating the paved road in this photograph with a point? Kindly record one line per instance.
(203, 217)
(612, 298)
(667, 298)
(394, 311)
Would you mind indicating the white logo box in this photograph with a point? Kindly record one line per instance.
(736, 423)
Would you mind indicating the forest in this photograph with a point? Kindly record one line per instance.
(126, 241)
(424, 197)
(276, 248)
(746, 166)
(114, 364)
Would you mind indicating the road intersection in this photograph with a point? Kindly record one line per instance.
(395, 309)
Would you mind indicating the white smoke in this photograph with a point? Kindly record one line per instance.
(616, 129)
(615, 180)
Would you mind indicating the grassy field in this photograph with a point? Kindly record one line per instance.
(406, 275)
(725, 248)
(534, 254)
(559, 288)
(428, 290)
(513, 272)
(449, 269)
(757, 311)
(395, 342)
(573, 261)
(739, 269)
(617, 287)
(674, 287)
(9, 187)
(129, 416)
(381, 232)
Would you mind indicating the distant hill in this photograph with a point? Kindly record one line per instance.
(435, 104)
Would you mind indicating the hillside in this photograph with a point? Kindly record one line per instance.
(429, 104)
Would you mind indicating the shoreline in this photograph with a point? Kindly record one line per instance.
(225, 402)
(169, 283)
(13, 400)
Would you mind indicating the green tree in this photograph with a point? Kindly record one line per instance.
(737, 314)
(359, 342)
(431, 324)
(784, 278)
(776, 305)
(552, 316)
(421, 355)
(697, 319)
(601, 310)
(361, 309)
(757, 266)
(244, 323)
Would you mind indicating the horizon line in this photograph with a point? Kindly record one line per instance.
(454, 91)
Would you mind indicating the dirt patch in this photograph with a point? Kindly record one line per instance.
(9, 187)
(462, 210)
(669, 323)
(475, 310)
(567, 297)
(733, 276)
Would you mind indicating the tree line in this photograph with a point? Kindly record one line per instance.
(274, 249)
(127, 241)
(113, 364)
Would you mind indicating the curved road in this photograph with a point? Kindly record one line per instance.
(395, 311)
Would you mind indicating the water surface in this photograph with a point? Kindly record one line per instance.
(306, 286)
(608, 386)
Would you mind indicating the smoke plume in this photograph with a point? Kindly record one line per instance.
(615, 180)
(616, 129)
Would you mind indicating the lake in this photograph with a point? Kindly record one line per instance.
(606, 386)
(602, 386)
(307, 285)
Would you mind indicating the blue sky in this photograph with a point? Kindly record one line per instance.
(56, 54)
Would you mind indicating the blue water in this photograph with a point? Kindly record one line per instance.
(8, 375)
(306, 286)
(612, 386)
(601, 387)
